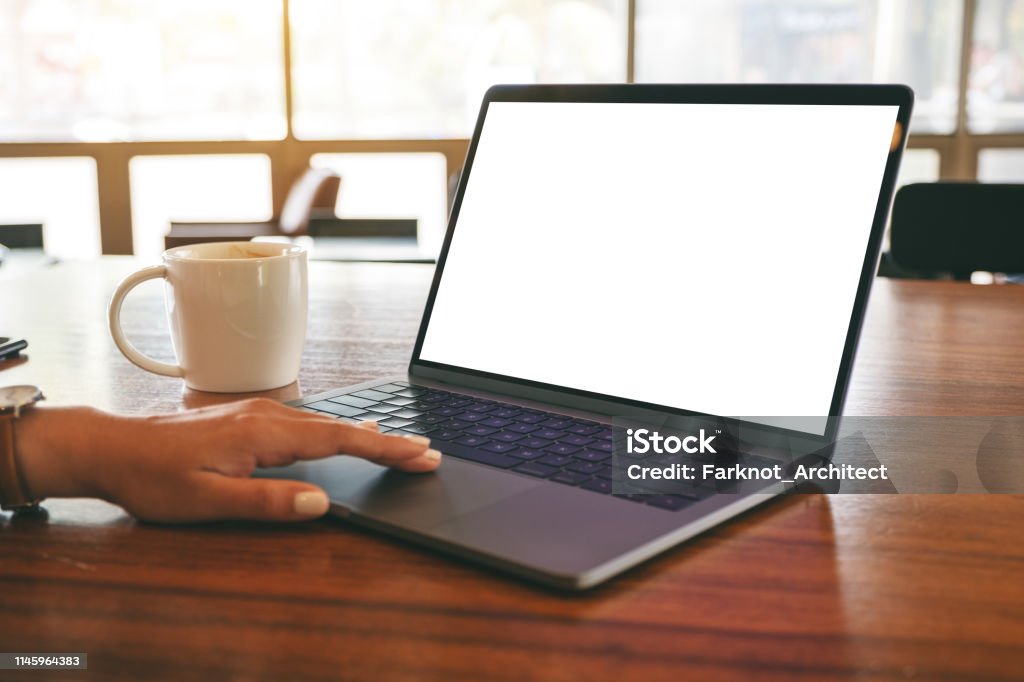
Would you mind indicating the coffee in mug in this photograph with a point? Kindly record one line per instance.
(236, 311)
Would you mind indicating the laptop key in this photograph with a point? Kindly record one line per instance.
(522, 428)
(371, 394)
(352, 400)
(557, 423)
(471, 417)
(569, 478)
(430, 419)
(562, 449)
(555, 460)
(478, 430)
(535, 469)
(605, 472)
(576, 440)
(528, 418)
(475, 454)
(505, 413)
(604, 446)
(592, 455)
(417, 429)
(509, 436)
(446, 434)
(406, 413)
(446, 411)
(481, 408)
(534, 442)
(395, 422)
(495, 422)
(598, 485)
(527, 453)
(580, 467)
(383, 408)
(500, 447)
(411, 392)
(585, 429)
(400, 401)
(670, 502)
(456, 425)
(335, 409)
(472, 441)
(550, 434)
(388, 388)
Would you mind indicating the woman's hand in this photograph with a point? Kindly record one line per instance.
(196, 465)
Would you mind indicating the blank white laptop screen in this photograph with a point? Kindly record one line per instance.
(704, 257)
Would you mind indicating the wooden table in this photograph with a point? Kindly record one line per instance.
(885, 586)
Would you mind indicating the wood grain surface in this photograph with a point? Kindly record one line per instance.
(811, 587)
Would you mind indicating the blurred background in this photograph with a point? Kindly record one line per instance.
(120, 116)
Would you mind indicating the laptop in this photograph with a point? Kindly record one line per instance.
(616, 253)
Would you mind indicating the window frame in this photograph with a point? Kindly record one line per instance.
(290, 156)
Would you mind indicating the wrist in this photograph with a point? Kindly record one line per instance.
(58, 450)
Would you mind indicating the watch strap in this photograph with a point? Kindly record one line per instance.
(13, 491)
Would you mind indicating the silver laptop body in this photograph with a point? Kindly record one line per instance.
(646, 252)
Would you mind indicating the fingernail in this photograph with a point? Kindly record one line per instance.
(372, 425)
(419, 440)
(313, 503)
(433, 454)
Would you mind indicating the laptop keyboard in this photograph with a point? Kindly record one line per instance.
(573, 452)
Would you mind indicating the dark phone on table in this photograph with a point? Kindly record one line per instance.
(11, 348)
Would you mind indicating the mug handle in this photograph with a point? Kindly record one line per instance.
(114, 317)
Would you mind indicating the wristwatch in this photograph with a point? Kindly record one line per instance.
(14, 494)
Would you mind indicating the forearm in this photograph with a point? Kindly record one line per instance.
(195, 465)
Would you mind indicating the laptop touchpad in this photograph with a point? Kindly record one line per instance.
(411, 500)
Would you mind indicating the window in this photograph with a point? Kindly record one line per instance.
(393, 186)
(1001, 165)
(233, 187)
(105, 70)
(60, 193)
(919, 165)
(415, 68)
(802, 41)
(995, 97)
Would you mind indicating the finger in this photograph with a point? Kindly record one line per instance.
(373, 445)
(370, 425)
(255, 499)
(284, 441)
(428, 461)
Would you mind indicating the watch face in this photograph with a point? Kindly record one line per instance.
(18, 396)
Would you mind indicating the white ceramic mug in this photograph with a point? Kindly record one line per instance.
(237, 314)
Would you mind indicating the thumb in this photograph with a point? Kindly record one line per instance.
(257, 499)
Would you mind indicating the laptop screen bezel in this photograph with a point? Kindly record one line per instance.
(859, 95)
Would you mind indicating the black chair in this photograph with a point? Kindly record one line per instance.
(951, 229)
(21, 247)
(25, 236)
